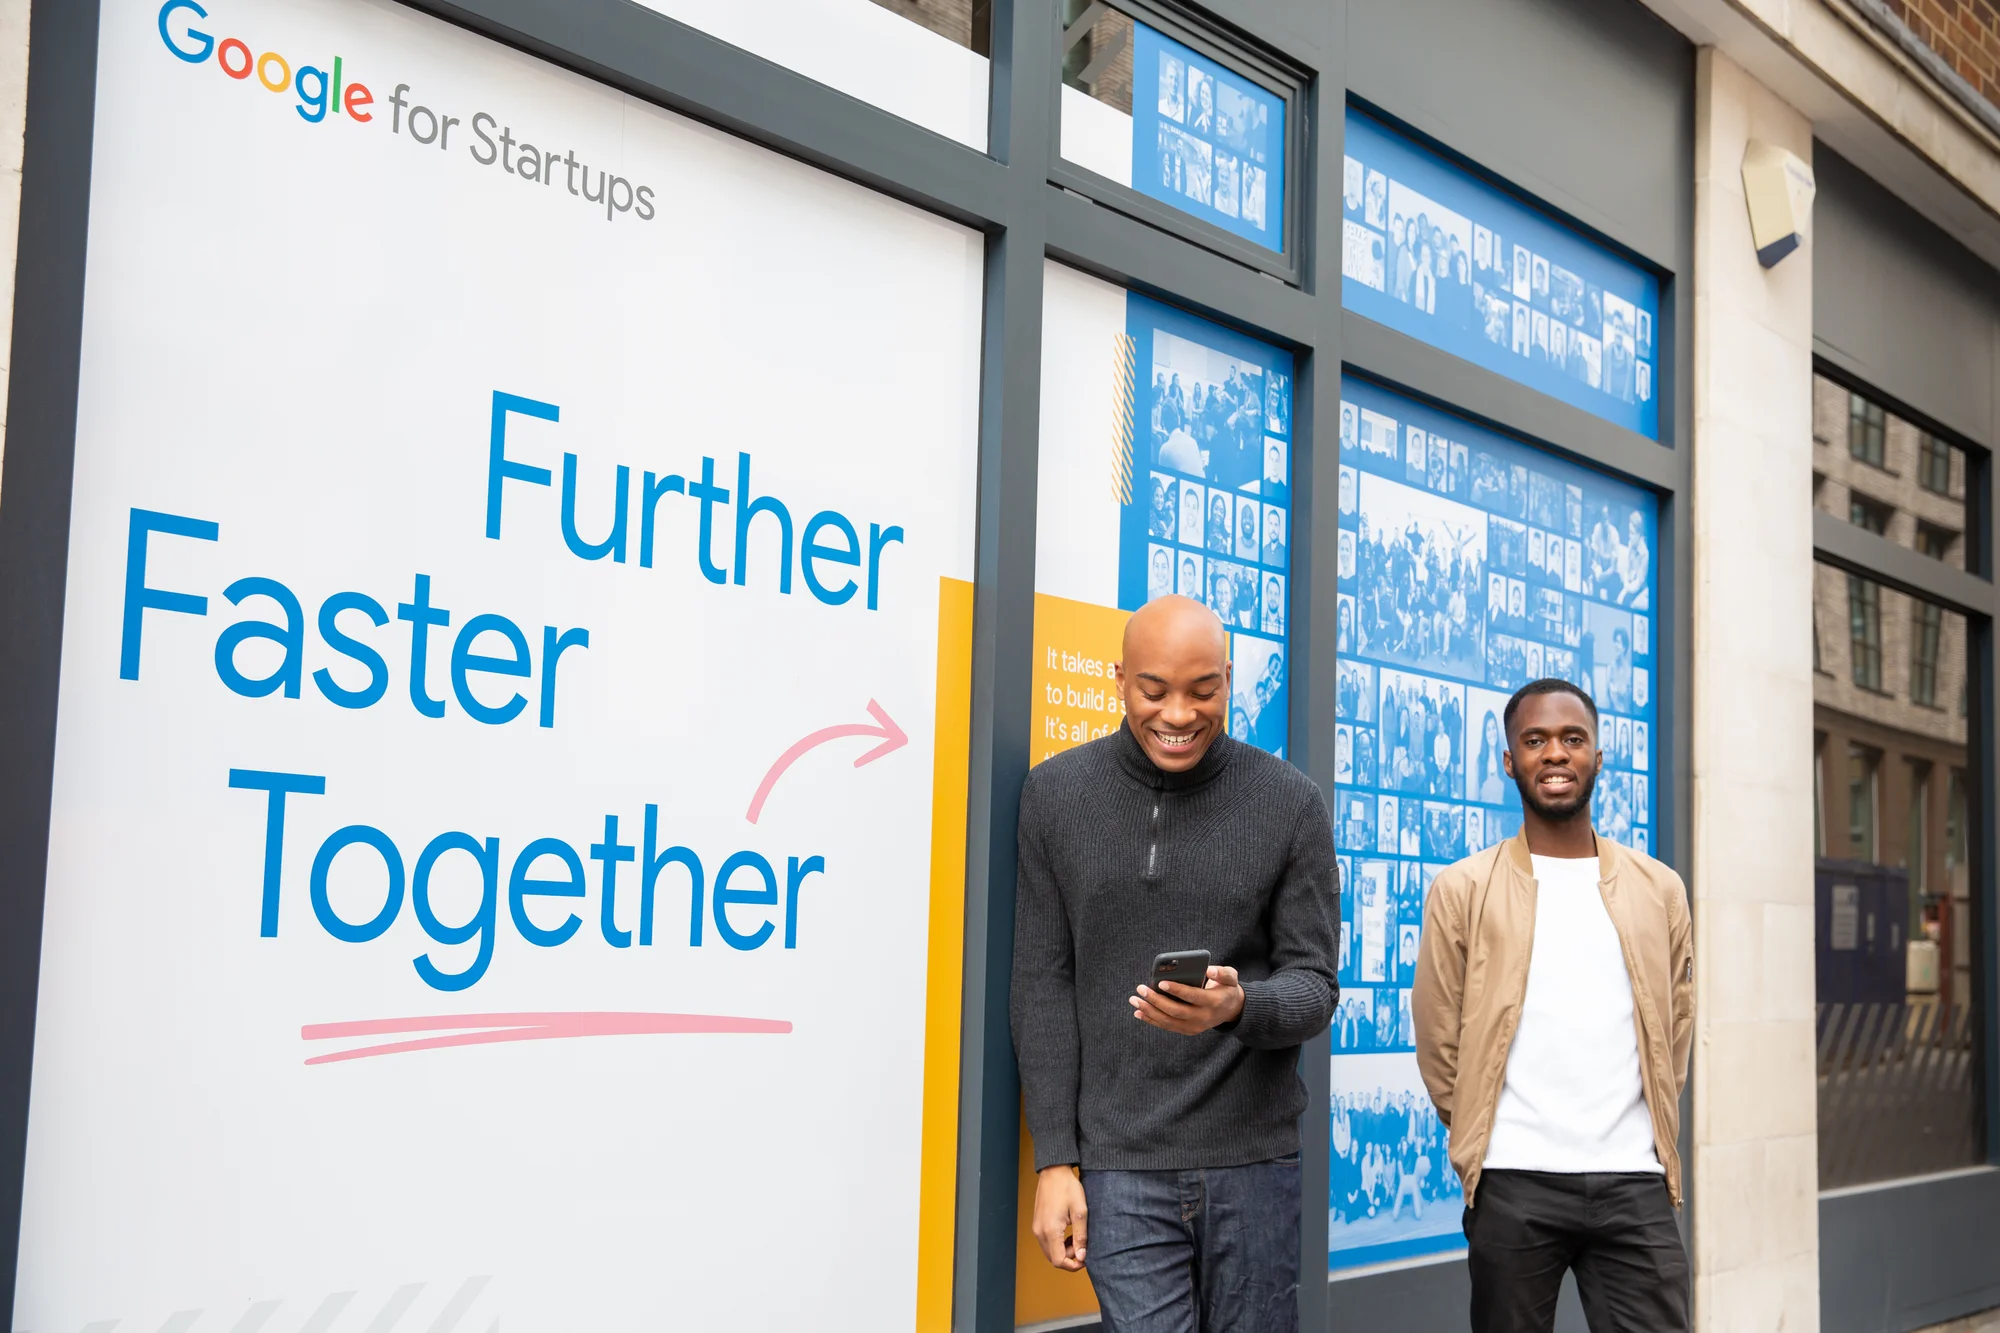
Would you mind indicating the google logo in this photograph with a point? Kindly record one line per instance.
(317, 90)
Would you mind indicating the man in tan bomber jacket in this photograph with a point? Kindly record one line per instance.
(1554, 1011)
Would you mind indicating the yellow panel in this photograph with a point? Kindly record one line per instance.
(1075, 701)
(1075, 698)
(1041, 1290)
(951, 769)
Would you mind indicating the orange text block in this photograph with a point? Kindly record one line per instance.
(1076, 698)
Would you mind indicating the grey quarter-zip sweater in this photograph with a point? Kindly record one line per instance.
(1119, 861)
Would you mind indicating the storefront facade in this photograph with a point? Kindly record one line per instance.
(890, 355)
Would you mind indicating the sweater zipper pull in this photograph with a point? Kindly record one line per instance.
(1153, 849)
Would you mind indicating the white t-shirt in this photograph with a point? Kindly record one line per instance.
(1573, 1101)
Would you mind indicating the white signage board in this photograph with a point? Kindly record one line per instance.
(490, 880)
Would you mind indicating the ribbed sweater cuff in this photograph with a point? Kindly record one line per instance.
(1272, 1014)
(1056, 1152)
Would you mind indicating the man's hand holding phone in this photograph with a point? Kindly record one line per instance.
(1179, 1006)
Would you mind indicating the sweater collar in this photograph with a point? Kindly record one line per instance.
(1133, 759)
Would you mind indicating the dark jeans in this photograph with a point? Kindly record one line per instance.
(1202, 1251)
(1615, 1231)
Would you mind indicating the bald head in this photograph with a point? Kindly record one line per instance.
(1174, 680)
(1174, 626)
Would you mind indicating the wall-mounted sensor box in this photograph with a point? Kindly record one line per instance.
(1780, 189)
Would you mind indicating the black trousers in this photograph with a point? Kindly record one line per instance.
(1616, 1232)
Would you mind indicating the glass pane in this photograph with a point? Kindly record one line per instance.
(1898, 1069)
(1433, 251)
(923, 60)
(1885, 474)
(1470, 564)
(1148, 112)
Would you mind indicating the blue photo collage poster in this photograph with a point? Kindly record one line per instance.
(1207, 140)
(1469, 564)
(1432, 251)
(1210, 511)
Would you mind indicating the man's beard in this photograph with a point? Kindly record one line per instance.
(1575, 804)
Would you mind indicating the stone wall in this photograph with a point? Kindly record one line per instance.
(1755, 1143)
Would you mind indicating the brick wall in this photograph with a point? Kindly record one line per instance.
(1965, 32)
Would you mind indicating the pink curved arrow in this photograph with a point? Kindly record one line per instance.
(893, 738)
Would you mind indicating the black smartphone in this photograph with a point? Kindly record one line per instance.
(1189, 967)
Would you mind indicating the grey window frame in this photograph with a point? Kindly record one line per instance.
(1255, 63)
(1029, 210)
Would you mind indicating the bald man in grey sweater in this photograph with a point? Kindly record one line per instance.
(1165, 1121)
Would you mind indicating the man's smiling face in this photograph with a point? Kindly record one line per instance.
(1552, 754)
(1174, 680)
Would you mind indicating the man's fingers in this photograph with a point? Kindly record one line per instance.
(1051, 1241)
(1160, 1018)
(1222, 976)
(1060, 1229)
(1172, 996)
(1154, 1007)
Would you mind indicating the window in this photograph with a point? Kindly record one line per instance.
(1897, 1015)
(1863, 765)
(1865, 513)
(1933, 464)
(1097, 54)
(1865, 429)
(1864, 617)
(1146, 110)
(1954, 822)
(1436, 253)
(1934, 541)
(1926, 626)
(1819, 793)
(1915, 841)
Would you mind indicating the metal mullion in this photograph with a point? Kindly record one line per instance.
(1131, 254)
(1315, 619)
(1026, 36)
(1168, 218)
(1464, 389)
(35, 499)
(1983, 906)
(664, 61)
(1838, 542)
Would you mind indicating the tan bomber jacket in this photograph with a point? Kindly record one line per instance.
(1472, 976)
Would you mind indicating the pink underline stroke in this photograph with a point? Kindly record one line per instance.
(484, 1029)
